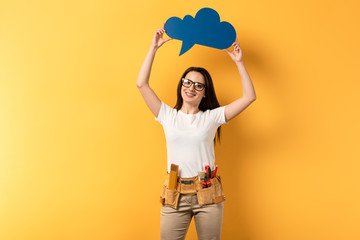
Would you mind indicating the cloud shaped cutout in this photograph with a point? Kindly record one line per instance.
(205, 29)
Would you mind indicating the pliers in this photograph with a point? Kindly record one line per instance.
(206, 182)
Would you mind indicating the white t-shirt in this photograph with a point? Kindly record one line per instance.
(190, 138)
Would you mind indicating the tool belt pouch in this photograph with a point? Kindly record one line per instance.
(169, 197)
(212, 194)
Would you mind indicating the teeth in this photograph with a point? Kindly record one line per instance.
(190, 94)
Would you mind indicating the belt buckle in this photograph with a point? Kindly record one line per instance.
(187, 181)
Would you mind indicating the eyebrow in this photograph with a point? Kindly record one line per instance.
(194, 81)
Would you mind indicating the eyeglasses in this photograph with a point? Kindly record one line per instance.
(198, 86)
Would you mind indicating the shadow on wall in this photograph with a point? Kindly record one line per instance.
(239, 143)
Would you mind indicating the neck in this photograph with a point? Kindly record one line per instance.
(189, 109)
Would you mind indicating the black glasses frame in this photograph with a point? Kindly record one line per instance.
(196, 84)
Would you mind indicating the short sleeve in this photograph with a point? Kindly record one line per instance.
(164, 113)
(218, 115)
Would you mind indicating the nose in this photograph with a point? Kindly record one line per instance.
(192, 87)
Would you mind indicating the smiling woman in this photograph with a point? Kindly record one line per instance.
(190, 128)
(192, 91)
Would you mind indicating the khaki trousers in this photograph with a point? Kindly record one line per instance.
(174, 223)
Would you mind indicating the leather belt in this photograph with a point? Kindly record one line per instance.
(187, 182)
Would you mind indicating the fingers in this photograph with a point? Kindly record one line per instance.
(236, 42)
(236, 46)
(160, 31)
(162, 28)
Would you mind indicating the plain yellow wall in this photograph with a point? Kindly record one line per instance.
(81, 156)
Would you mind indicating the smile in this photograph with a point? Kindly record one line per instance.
(189, 94)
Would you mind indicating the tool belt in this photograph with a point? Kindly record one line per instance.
(191, 186)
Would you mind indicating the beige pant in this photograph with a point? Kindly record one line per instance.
(174, 223)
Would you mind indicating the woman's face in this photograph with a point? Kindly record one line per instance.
(190, 95)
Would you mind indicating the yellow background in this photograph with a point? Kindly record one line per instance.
(81, 156)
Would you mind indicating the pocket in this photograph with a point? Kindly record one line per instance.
(206, 195)
(186, 188)
(218, 190)
(213, 194)
(162, 194)
(171, 197)
(219, 194)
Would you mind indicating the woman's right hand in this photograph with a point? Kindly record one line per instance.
(158, 39)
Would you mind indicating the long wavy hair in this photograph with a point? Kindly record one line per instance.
(208, 102)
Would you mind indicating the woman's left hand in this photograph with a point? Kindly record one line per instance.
(236, 54)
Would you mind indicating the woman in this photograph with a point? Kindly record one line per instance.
(190, 128)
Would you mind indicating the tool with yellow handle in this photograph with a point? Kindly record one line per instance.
(173, 176)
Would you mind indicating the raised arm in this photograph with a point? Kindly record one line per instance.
(151, 99)
(236, 107)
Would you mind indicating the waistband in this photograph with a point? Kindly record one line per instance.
(208, 193)
(191, 178)
(189, 186)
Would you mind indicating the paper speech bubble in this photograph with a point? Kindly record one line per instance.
(205, 29)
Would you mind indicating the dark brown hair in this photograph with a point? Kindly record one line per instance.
(209, 102)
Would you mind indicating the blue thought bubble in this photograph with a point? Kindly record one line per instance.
(205, 29)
